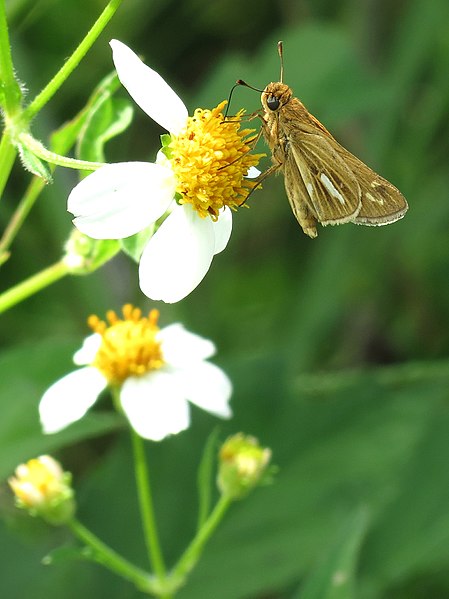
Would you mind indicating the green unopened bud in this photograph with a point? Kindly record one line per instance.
(83, 254)
(43, 489)
(243, 465)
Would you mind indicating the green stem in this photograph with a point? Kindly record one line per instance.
(107, 557)
(146, 507)
(41, 151)
(191, 555)
(9, 88)
(8, 154)
(72, 62)
(19, 216)
(32, 285)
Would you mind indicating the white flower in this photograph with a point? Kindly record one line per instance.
(121, 199)
(158, 372)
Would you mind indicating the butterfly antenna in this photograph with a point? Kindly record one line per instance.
(237, 84)
(281, 57)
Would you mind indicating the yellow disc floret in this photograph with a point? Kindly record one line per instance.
(210, 159)
(129, 346)
(37, 482)
(43, 489)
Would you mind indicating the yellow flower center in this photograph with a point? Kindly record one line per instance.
(210, 159)
(37, 481)
(129, 346)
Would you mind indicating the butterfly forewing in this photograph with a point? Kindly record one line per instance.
(333, 191)
(299, 198)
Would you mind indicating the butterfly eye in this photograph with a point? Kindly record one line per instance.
(273, 102)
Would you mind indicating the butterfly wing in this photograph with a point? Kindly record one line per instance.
(333, 193)
(382, 202)
(299, 198)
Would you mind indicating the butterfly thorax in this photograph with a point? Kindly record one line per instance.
(284, 115)
(283, 93)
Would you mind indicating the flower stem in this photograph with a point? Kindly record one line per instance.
(41, 151)
(10, 94)
(21, 212)
(106, 556)
(146, 507)
(28, 287)
(8, 154)
(191, 555)
(72, 62)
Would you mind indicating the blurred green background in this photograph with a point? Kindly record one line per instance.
(337, 347)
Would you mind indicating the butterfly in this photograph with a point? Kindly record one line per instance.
(324, 182)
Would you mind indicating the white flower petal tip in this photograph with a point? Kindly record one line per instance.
(178, 256)
(68, 399)
(181, 347)
(253, 172)
(119, 200)
(222, 229)
(148, 89)
(208, 387)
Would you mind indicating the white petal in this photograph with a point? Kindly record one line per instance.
(155, 405)
(180, 347)
(119, 200)
(208, 387)
(222, 229)
(86, 354)
(178, 256)
(148, 89)
(252, 173)
(68, 399)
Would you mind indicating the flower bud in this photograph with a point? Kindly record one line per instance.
(243, 465)
(43, 489)
(83, 255)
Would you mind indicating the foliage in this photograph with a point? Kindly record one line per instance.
(337, 347)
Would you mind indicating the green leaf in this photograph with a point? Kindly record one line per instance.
(205, 477)
(134, 245)
(63, 554)
(65, 137)
(107, 119)
(334, 577)
(33, 164)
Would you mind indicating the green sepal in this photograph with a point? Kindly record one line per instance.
(134, 245)
(166, 141)
(33, 164)
(103, 251)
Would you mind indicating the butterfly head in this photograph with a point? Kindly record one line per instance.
(275, 95)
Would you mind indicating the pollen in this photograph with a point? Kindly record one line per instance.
(129, 346)
(210, 158)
